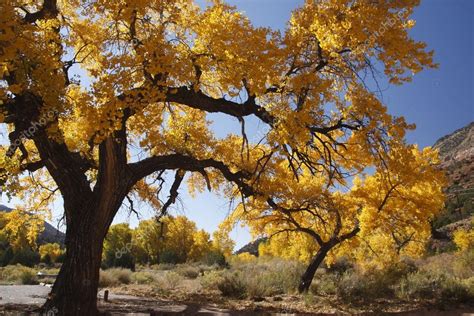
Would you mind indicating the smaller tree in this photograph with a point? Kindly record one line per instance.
(464, 238)
(118, 247)
(222, 242)
(384, 213)
(51, 251)
(201, 247)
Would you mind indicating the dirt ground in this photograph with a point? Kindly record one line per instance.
(24, 300)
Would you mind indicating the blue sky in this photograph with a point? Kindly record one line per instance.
(438, 101)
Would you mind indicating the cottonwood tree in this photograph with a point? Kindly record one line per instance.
(102, 98)
(375, 217)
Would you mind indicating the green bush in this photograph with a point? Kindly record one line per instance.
(214, 257)
(169, 256)
(25, 257)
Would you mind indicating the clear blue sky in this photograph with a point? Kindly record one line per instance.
(437, 101)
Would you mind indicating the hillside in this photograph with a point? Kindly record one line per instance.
(49, 235)
(456, 152)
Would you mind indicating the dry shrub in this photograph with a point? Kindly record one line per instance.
(143, 277)
(259, 278)
(439, 287)
(188, 271)
(114, 277)
(166, 281)
(232, 285)
(18, 274)
(210, 279)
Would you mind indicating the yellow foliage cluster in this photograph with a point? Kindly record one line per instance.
(53, 250)
(464, 239)
(20, 229)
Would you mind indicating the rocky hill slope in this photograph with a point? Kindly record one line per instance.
(456, 152)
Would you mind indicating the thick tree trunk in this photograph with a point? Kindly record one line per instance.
(308, 275)
(75, 289)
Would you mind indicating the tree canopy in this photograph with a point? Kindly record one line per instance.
(102, 98)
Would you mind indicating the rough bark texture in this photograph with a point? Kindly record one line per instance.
(75, 289)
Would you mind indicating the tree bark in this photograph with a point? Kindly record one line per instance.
(308, 275)
(75, 290)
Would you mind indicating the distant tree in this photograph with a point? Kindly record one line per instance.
(52, 250)
(148, 241)
(20, 229)
(222, 242)
(201, 246)
(118, 247)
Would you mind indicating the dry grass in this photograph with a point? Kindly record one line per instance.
(18, 274)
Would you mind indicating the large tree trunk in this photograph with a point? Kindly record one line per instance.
(308, 275)
(75, 289)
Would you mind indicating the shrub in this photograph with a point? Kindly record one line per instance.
(168, 281)
(325, 284)
(163, 266)
(114, 277)
(143, 278)
(441, 287)
(419, 285)
(270, 276)
(462, 266)
(356, 286)
(232, 285)
(106, 279)
(187, 271)
(18, 274)
(211, 279)
(456, 291)
(28, 277)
